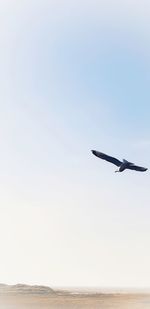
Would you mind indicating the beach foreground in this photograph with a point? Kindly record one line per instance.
(64, 300)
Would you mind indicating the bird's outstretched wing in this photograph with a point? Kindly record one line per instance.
(137, 168)
(106, 157)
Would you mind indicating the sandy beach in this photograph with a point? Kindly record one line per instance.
(75, 302)
(36, 298)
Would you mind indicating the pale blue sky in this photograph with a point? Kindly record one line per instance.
(74, 77)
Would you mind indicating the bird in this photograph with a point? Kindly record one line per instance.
(122, 165)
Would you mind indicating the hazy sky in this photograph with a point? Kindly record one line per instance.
(74, 76)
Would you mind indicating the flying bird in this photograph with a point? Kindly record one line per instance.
(123, 165)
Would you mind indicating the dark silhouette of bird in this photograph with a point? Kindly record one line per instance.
(123, 165)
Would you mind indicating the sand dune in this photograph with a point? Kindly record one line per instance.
(25, 289)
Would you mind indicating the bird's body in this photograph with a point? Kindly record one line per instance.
(123, 165)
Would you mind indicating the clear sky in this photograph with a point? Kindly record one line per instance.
(75, 76)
